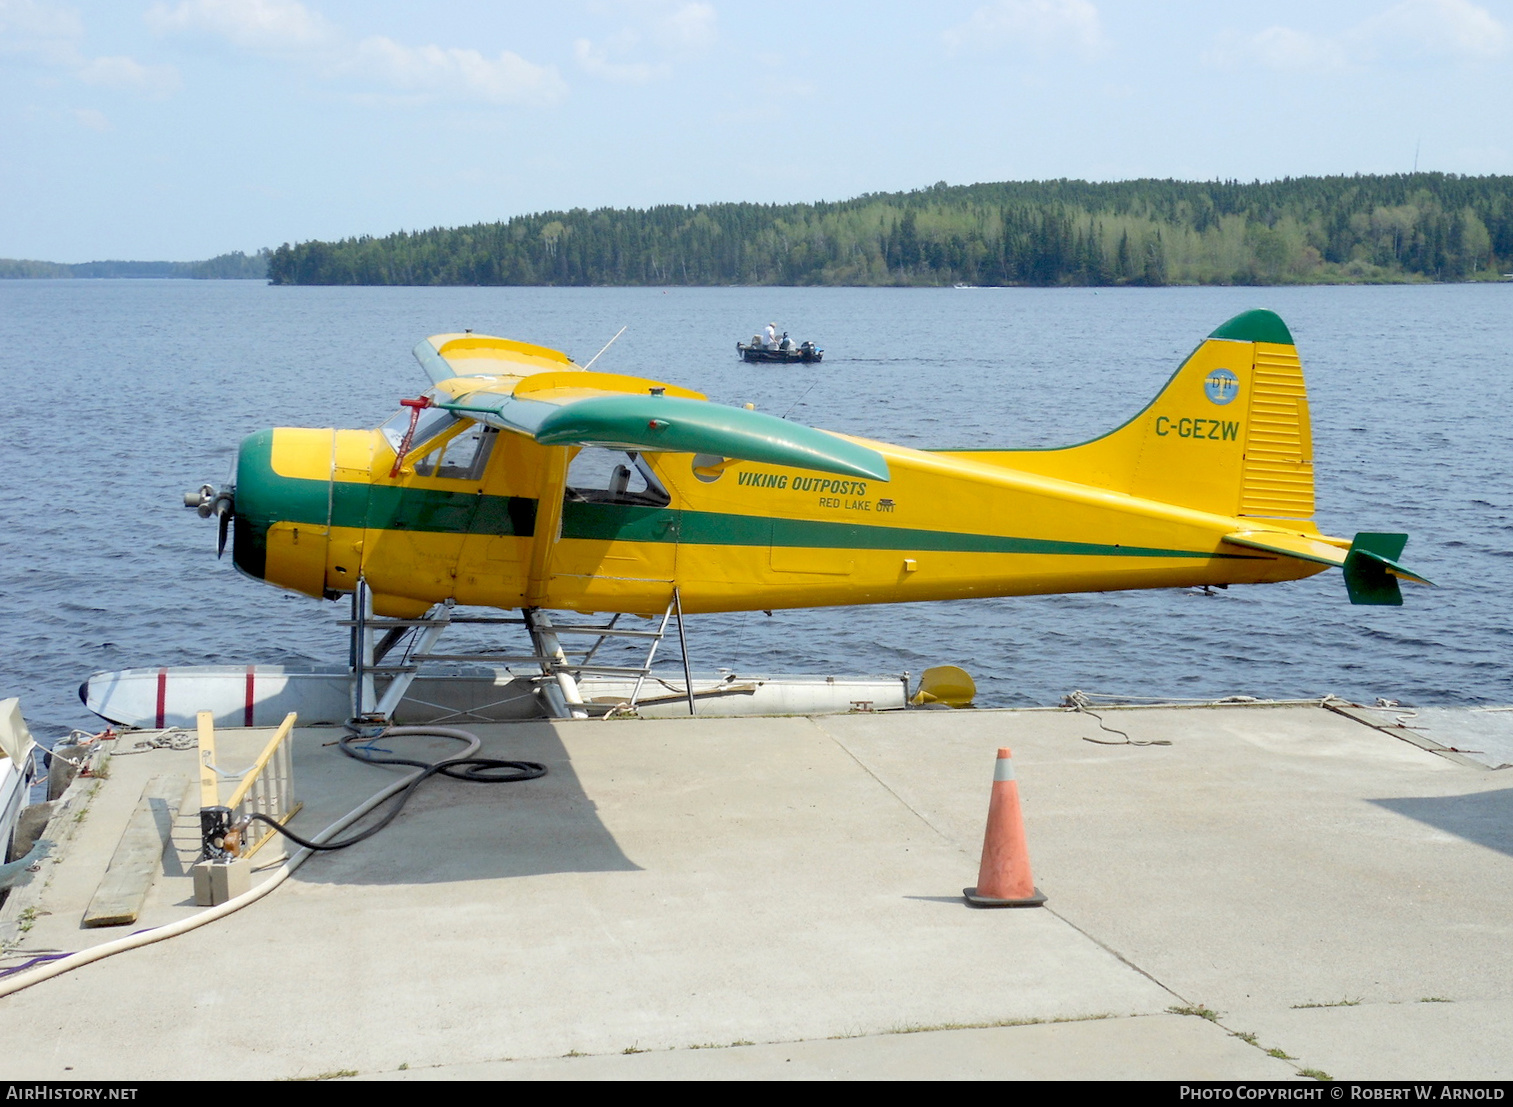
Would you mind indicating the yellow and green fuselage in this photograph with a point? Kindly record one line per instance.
(1211, 484)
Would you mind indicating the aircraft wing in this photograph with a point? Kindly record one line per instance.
(447, 356)
(569, 406)
(681, 425)
(503, 412)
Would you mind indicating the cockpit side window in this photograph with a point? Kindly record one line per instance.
(463, 457)
(602, 476)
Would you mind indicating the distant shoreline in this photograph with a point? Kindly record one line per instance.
(1410, 228)
(1360, 229)
(233, 266)
(1420, 282)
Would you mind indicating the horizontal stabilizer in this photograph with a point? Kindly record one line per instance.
(1372, 569)
(1290, 545)
(677, 425)
(1371, 566)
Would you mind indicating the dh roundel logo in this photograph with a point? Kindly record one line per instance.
(1221, 386)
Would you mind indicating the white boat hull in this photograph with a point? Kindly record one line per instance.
(17, 769)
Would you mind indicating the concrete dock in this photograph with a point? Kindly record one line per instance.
(1280, 890)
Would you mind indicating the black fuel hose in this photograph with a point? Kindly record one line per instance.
(479, 770)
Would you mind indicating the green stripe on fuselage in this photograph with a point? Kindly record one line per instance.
(610, 522)
(434, 511)
(265, 497)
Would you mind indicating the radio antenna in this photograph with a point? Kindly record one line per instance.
(801, 397)
(607, 345)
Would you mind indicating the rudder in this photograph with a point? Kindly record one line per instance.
(1229, 434)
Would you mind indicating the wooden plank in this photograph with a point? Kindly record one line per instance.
(209, 784)
(139, 855)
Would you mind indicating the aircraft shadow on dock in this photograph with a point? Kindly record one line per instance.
(1485, 818)
(453, 830)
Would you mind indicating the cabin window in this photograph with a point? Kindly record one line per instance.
(600, 476)
(463, 457)
(433, 420)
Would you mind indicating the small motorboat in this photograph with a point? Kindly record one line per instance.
(784, 351)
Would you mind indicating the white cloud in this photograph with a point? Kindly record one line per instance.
(1044, 26)
(685, 27)
(1434, 28)
(1278, 48)
(52, 36)
(29, 19)
(290, 31)
(657, 31)
(265, 26)
(1284, 48)
(156, 81)
(594, 60)
(1424, 30)
(462, 74)
(42, 30)
(89, 117)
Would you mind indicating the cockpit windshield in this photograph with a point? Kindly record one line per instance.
(433, 420)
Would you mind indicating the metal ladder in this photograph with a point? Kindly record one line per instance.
(374, 639)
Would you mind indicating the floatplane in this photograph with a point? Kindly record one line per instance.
(522, 481)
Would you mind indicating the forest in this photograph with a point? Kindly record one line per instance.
(1300, 230)
(233, 266)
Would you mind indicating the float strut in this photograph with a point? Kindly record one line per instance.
(677, 603)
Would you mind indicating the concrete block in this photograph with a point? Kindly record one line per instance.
(217, 881)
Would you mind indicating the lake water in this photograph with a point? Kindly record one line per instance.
(125, 394)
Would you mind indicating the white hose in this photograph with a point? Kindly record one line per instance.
(294, 861)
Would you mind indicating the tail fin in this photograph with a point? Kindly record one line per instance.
(1229, 434)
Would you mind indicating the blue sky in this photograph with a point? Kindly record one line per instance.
(181, 129)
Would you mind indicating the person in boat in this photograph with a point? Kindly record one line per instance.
(772, 336)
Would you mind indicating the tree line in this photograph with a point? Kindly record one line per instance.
(1404, 227)
(233, 266)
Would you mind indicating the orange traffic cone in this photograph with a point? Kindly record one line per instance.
(1004, 879)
